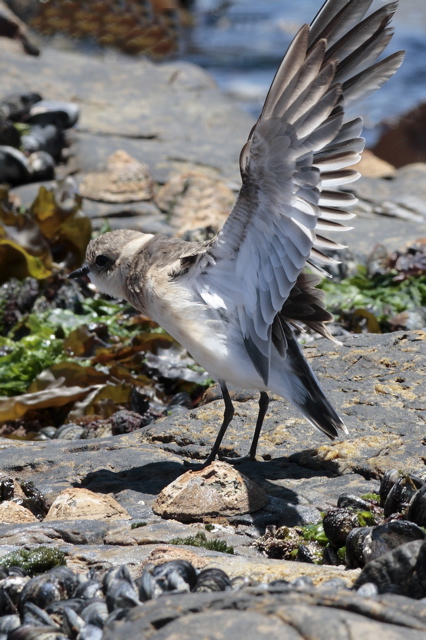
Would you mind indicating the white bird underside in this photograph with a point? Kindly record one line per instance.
(231, 302)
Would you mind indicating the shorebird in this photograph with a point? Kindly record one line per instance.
(233, 302)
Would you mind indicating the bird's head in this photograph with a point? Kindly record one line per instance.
(108, 258)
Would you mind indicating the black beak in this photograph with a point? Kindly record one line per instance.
(78, 273)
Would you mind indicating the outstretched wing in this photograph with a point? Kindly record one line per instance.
(296, 155)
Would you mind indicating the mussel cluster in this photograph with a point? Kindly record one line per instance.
(384, 534)
(62, 604)
(32, 137)
(391, 546)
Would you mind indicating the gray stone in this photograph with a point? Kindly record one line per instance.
(290, 615)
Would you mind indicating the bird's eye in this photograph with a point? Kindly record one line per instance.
(101, 261)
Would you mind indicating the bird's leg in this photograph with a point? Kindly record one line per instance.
(263, 408)
(227, 417)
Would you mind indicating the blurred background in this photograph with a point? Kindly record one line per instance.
(240, 42)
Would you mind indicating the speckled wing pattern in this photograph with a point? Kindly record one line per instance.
(296, 155)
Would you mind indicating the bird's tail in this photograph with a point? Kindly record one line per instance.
(304, 391)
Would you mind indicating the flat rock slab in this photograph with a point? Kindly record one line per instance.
(256, 615)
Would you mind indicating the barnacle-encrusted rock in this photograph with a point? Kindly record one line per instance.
(219, 489)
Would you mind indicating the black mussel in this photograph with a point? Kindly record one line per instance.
(117, 573)
(61, 114)
(7, 606)
(69, 431)
(417, 507)
(56, 608)
(330, 556)
(90, 632)
(16, 107)
(57, 584)
(355, 547)
(66, 578)
(35, 616)
(44, 138)
(212, 580)
(89, 589)
(121, 594)
(389, 479)
(14, 166)
(368, 543)
(11, 588)
(349, 501)
(95, 612)
(9, 134)
(338, 523)
(401, 493)
(41, 166)
(417, 587)
(387, 536)
(29, 632)
(173, 576)
(48, 432)
(17, 571)
(71, 622)
(311, 553)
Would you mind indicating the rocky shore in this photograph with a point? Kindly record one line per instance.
(97, 500)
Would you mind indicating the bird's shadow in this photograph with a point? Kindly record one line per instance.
(150, 479)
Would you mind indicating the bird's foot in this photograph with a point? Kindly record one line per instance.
(202, 465)
(238, 459)
(197, 466)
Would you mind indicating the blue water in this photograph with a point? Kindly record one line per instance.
(241, 45)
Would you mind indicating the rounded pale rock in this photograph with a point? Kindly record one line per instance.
(217, 490)
(12, 513)
(82, 504)
(195, 200)
(124, 179)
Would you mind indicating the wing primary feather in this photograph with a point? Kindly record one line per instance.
(298, 154)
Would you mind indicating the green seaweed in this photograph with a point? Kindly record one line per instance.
(366, 519)
(374, 497)
(34, 561)
(380, 294)
(200, 540)
(314, 533)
